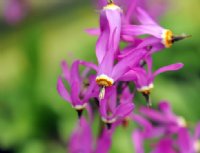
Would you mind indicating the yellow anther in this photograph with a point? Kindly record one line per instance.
(167, 37)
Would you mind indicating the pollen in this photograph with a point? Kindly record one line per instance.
(104, 80)
(167, 38)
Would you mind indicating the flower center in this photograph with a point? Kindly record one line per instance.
(146, 89)
(167, 37)
(80, 107)
(104, 81)
(110, 121)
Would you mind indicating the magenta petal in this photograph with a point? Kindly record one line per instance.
(65, 70)
(165, 107)
(138, 141)
(124, 109)
(165, 146)
(112, 101)
(130, 11)
(90, 91)
(136, 30)
(144, 17)
(88, 65)
(184, 140)
(75, 91)
(62, 90)
(110, 26)
(125, 64)
(74, 74)
(153, 114)
(93, 31)
(141, 121)
(81, 139)
(129, 76)
(172, 67)
(104, 142)
(106, 65)
(102, 46)
(103, 108)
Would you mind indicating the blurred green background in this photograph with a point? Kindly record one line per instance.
(33, 118)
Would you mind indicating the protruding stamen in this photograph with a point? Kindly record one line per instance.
(147, 98)
(109, 125)
(80, 112)
(102, 93)
(180, 37)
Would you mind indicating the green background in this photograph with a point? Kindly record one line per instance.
(33, 118)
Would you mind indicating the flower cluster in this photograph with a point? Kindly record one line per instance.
(106, 84)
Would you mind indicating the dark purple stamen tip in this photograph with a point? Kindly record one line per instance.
(180, 37)
(109, 125)
(147, 98)
(80, 112)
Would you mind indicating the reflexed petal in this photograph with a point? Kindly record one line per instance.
(165, 146)
(75, 91)
(112, 102)
(101, 45)
(137, 139)
(130, 11)
(136, 30)
(172, 67)
(106, 65)
(125, 64)
(129, 76)
(184, 140)
(81, 139)
(165, 107)
(89, 65)
(149, 62)
(153, 114)
(124, 109)
(110, 26)
(142, 122)
(74, 74)
(144, 17)
(65, 70)
(103, 108)
(93, 31)
(104, 142)
(126, 96)
(90, 91)
(62, 90)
